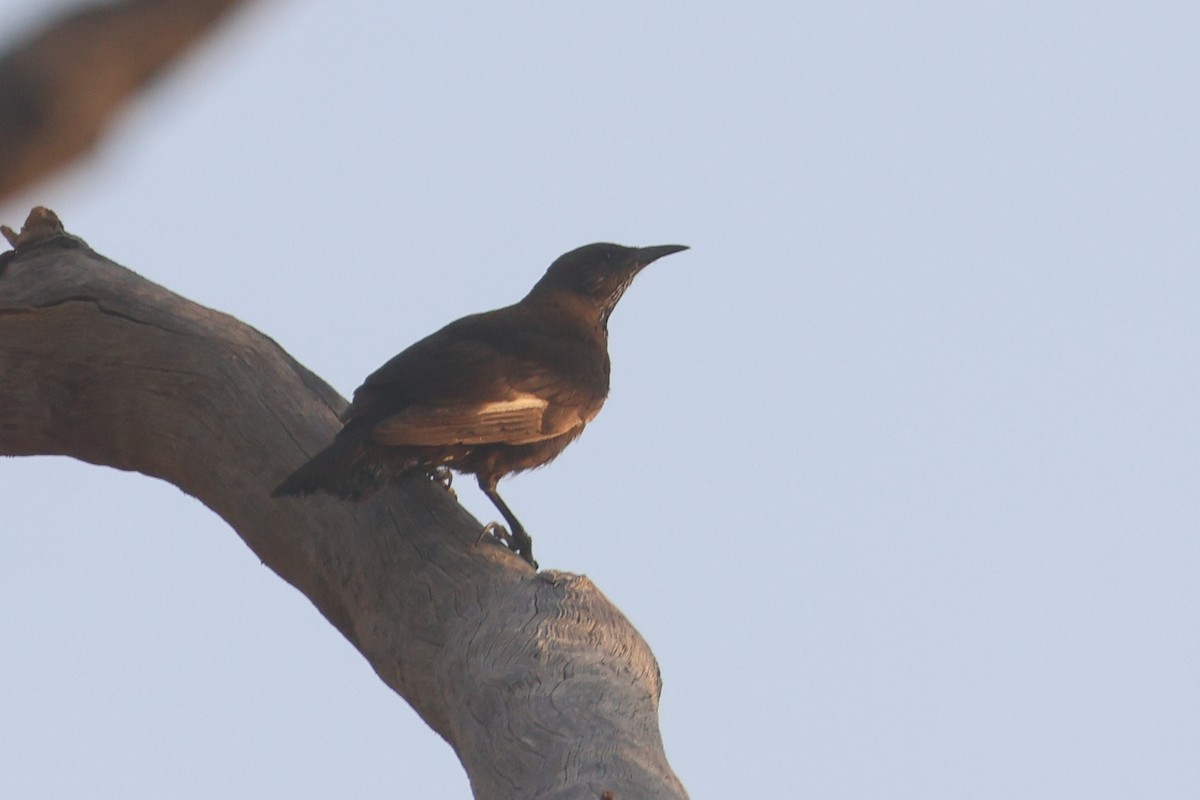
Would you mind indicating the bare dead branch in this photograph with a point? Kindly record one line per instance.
(541, 686)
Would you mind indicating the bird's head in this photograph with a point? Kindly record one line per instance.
(600, 273)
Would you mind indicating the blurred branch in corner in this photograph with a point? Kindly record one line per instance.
(61, 84)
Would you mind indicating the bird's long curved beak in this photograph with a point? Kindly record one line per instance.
(644, 255)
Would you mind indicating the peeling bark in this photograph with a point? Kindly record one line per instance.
(540, 685)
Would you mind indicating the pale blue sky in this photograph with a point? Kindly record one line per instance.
(899, 471)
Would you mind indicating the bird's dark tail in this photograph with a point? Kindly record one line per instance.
(344, 469)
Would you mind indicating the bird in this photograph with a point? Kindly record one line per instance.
(490, 394)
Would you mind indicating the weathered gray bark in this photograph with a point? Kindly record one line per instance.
(541, 686)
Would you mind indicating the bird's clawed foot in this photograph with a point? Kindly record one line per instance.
(443, 476)
(499, 532)
(523, 545)
(518, 541)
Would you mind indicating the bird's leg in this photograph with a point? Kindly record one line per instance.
(445, 477)
(520, 541)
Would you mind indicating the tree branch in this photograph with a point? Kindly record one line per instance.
(60, 88)
(541, 686)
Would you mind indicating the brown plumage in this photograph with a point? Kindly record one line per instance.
(490, 394)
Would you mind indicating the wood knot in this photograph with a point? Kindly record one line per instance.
(40, 225)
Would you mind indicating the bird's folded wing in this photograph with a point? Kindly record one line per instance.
(519, 419)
